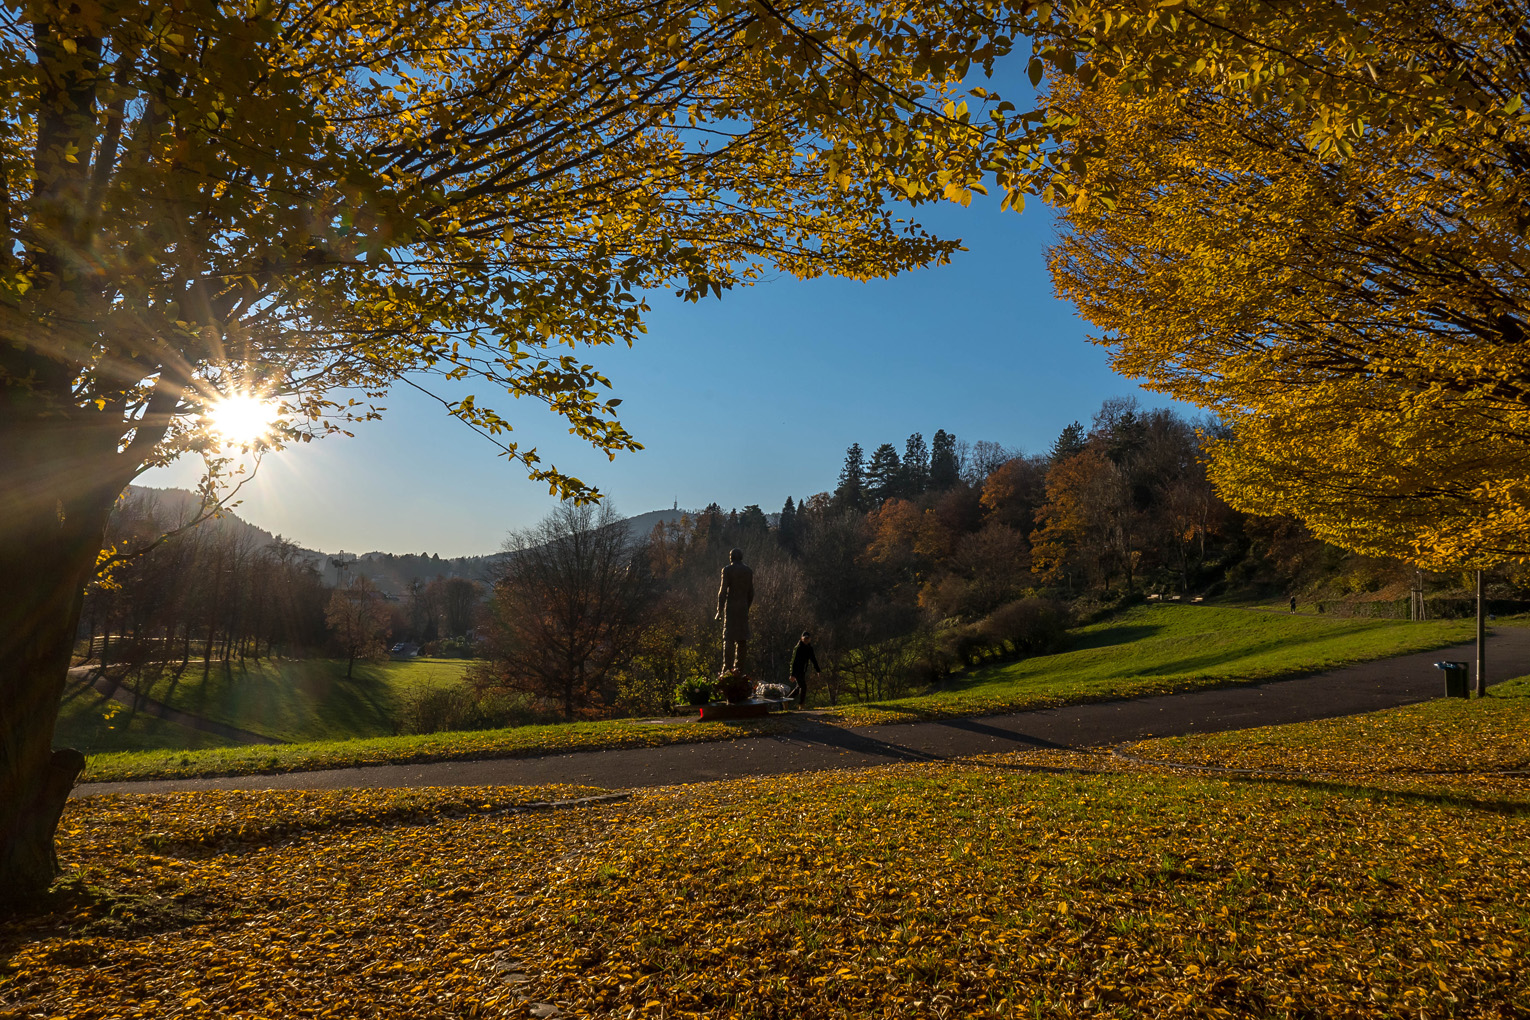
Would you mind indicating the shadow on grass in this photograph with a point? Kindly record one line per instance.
(76, 909)
(1455, 799)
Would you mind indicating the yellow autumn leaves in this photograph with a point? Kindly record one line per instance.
(1066, 883)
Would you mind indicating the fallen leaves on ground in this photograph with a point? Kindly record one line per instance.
(1447, 736)
(1055, 883)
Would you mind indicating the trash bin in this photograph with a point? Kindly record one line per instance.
(1456, 676)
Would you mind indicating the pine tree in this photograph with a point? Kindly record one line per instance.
(1069, 444)
(884, 475)
(850, 494)
(944, 469)
(786, 527)
(753, 519)
(916, 465)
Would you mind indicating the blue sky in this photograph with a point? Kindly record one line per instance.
(747, 399)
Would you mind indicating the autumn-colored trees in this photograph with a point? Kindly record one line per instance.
(1311, 218)
(359, 621)
(1356, 322)
(206, 199)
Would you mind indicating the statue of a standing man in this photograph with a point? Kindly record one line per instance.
(733, 599)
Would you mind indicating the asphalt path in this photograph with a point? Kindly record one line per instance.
(813, 745)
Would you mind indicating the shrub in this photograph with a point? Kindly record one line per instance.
(698, 690)
(460, 707)
(1027, 627)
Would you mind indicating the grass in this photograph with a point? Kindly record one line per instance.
(1148, 650)
(515, 742)
(1048, 884)
(1446, 736)
(304, 699)
(96, 724)
(1164, 649)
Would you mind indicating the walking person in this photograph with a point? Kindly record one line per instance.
(802, 654)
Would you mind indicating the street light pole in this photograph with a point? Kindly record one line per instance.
(1481, 640)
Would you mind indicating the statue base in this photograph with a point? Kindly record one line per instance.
(735, 710)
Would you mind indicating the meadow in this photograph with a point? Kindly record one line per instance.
(1145, 650)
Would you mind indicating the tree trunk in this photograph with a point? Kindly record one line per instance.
(48, 551)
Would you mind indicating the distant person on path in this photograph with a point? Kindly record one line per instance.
(734, 597)
(1293, 603)
(802, 654)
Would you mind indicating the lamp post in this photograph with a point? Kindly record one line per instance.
(1481, 639)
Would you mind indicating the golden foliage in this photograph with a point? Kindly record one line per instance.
(206, 198)
(1357, 322)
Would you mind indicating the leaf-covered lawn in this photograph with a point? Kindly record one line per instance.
(1164, 649)
(1050, 884)
(1448, 735)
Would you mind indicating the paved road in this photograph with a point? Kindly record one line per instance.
(815, 745)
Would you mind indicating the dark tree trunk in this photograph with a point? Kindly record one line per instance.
(48, 549)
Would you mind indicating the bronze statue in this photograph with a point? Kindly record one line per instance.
(733, 599)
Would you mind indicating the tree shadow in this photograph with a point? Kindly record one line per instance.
(1352, 787)
(999, 733)
(812, 731)
(77, 910)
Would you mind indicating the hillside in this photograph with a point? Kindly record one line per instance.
(391, 572)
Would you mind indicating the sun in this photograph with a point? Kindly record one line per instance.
(242, 418)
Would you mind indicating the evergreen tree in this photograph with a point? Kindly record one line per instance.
(916, 465)
(786, 527)
(753, 519)
(850, 494)
(884, 475)
(944, 469)
(1069, 444)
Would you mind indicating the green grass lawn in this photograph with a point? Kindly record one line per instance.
(471, 745)
(1147, 650)
(304, 699)
(95, 724)
(1167, 648)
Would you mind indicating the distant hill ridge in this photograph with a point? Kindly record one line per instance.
(391, 572)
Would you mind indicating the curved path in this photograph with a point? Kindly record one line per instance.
(816, 745)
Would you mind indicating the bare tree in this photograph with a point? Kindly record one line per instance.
(359, 620)
(567, 608)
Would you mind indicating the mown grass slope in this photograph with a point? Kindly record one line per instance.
(285, 699)
(1162, 649)
(1148, 650)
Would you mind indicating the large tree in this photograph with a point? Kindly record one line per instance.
(1359, 323)
(1340, 189)
(208, 199)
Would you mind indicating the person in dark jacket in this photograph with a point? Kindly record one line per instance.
(802, 654)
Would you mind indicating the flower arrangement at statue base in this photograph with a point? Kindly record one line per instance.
(735, 685)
